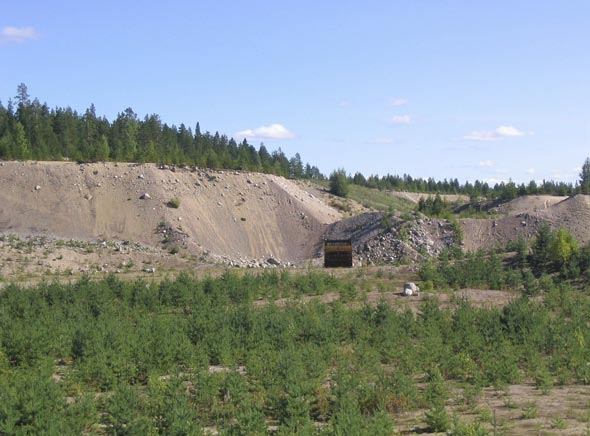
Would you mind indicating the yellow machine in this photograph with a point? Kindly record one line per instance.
(338, 253)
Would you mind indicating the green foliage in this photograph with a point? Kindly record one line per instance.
(339, 183)
(541, 259)
(558, 251)
(480, 270)
(437, 419)
(436, 391)
(461, 428)
(34, 131)
(559, 423)
(563, 247)
(478, 189)
(174, 203)
(432, 206)
(176, 356)
(585, 177)
(529, 411)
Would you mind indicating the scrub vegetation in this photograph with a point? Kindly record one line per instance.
(263, 353)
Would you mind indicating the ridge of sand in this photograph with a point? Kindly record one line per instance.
(221, 212)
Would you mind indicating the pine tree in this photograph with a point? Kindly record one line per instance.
(339, 183)
(585, 177)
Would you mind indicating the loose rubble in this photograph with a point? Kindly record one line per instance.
(381, 239)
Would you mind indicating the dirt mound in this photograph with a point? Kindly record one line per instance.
(528, 204)
(522, 217)
(216, 213)
(573, 213)
(496, 233)
(237, 218)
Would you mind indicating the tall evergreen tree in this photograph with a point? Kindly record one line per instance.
(585, 177)
(339, 183)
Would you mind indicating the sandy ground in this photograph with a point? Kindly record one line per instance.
(522, 217)
(64, 217)
(230, 213)
(516, 410)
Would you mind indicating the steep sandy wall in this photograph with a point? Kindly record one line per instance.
(221, 212)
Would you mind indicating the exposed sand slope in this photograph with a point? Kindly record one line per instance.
(573, 213)
(530, 204)
(221, 212)
(524, 215)
(226, 214)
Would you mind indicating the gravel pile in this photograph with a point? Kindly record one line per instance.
(379, 238)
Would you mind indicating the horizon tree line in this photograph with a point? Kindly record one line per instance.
(32, 130)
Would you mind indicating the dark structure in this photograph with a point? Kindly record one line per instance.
(338, 253)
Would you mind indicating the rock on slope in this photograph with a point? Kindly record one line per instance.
(222, 213)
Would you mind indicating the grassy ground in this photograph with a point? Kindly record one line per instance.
(373, 198)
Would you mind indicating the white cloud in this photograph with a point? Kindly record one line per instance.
(17, 34)
(531, 171)
(508, 131)
(496, 134)
(487, 163)
(274, 131)
(401, 119)
(398, 101)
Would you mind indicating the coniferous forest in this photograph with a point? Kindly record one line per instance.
(32, 130)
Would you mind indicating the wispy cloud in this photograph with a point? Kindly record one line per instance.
(398, 101)
(345, 103)
(12, 34)
(274, 131)
(487, 164)
(531, 171)
(401, 119)
(496, 134)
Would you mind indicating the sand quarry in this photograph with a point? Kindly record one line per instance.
(58, 217)
(61, 219)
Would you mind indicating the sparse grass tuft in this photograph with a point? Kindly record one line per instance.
(174, 203)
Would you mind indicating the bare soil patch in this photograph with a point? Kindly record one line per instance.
(515, 410)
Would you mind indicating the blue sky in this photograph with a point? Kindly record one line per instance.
(486, 90)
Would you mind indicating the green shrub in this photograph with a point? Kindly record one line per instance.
(339, 183)
(438, 419)
(529, 411)
(174, 203)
